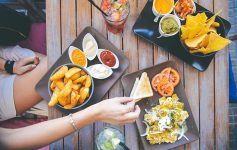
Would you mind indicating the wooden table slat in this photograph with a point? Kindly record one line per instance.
(221, 89)
(53, 29)
(207, 100)
(192, 92)
(68, 30)
(98, 24)
(130, 50)
(83, 19)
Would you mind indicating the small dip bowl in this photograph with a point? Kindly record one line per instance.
(162, 33)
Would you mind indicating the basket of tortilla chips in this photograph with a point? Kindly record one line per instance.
(203, 34)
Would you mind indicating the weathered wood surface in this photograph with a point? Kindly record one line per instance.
(207, 91)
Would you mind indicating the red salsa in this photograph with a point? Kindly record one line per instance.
(108, 58)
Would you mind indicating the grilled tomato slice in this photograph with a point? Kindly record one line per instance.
(165, 88)
(174, 77)
(155, 80)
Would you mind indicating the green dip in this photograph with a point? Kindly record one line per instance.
(169, 25)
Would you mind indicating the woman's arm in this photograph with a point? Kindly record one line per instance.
(112, 111)
(41, 134)
(2, 63)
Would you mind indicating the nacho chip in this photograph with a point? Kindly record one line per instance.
(200, 34)
(201, 50)
(212, 29)
(216, 42)
(192, 43)
(215, 24)
(212, 19)
(204, 42)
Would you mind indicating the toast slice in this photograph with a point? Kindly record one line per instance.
(142, 88)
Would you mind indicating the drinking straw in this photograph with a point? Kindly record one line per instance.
(93, 3)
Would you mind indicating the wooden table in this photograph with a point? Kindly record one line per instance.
(207, 91)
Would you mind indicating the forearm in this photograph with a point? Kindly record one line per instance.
(2, 63)
(38, 135)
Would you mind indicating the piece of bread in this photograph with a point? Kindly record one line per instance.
(142, 89)
(134, 87)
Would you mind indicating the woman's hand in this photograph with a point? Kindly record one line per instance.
(24, 65)
(120, 110)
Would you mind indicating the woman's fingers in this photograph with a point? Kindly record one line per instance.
(28, 60)
(27, 68)
(130, 106)
(36, 60)
(124, 99)
(132, 115)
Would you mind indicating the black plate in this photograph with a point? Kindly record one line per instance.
(101, 87)
(146, 28)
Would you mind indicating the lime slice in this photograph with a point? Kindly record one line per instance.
(108, 145)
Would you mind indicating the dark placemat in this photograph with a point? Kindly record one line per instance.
(128, 81)
(101, 86)
(146, 28)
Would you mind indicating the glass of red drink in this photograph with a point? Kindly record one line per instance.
(118, 11)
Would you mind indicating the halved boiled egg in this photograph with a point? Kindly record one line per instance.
(89, 46)
(99, 71)
(108, 58)
(77, 56)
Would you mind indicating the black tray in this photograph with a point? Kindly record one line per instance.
(101, 87)
(128, 82)
(146, 28)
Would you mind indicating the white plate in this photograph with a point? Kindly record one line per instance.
(116, 58)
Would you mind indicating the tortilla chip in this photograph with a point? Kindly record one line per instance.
(215, 24)
(192, 43)
(184, 31)
(201, 50)
(216, 42)
(212, 29)
(200, 34)
(212, 19)
(204, 42)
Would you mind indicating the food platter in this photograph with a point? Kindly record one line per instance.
(146, 28)
(101, 86)
(128, 81)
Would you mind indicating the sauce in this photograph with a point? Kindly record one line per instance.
(78, 57)
(108, 58)
(99, 71)
(169, 26)
(163, 6)
(164, 123)
(90, 48)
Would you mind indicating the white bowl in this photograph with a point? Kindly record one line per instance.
(169, 16)
(91, 69)
(116, 58)
(194, 10)
(86, 38)
(70, 50)
(158, 14)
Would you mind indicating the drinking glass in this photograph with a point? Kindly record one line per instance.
(118, 12)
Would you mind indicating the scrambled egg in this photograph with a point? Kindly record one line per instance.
(166, 122)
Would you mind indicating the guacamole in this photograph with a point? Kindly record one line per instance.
(169, 25)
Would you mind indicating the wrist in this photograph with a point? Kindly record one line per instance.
(95, 110)
(87, 116)
(2, 64)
